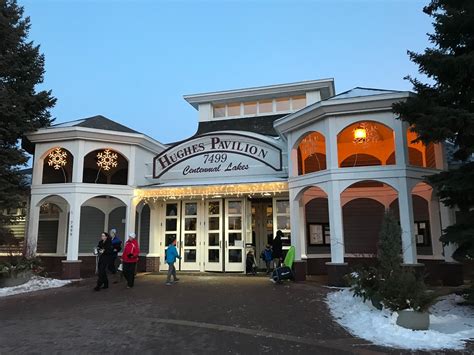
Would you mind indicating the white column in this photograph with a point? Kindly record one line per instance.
(78, 167)
(292, 157)
(331, 145)
(297, 220)
(131, 211)
(155, 230)
(73, 232)
(335, 223)
(33, 225)
(62, 230)
(401, 143)
(406, 222)
(447, 218)
(132, 165)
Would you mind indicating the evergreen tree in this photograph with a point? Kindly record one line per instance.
(22, 108)
(444, 109)
(390, 245)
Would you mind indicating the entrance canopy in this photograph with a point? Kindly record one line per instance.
(208, 189)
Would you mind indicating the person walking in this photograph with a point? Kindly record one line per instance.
(131, 251)
(267, 256)
(277, 248)
(117, 247)
(171, 255)
(104, 253)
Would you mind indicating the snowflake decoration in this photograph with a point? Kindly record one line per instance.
(57, 158)
(107, 159)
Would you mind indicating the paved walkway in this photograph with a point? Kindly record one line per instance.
(198, 315)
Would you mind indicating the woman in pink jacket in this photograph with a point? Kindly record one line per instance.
(131, 251)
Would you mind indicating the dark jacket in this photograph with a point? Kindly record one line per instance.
(107, 248)
(277, 248)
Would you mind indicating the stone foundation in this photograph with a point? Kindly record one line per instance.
(336, 273)
(71, 269)
(152, 264)
(300, 270)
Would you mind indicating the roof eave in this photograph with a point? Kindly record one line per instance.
(260, 92)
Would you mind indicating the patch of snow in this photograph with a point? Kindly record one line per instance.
(451, 325)
(36, 283)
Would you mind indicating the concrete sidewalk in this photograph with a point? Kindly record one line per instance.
(201, 314)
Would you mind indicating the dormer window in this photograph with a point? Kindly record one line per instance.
(261, 107)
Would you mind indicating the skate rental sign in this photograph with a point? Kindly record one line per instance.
(218, 154)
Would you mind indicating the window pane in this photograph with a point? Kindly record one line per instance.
(283, 104)
(190, 209)
(233, 109)
(235, 207)
(171, 224)
(213, 223)
(190, 240)
(283, 206)
(190, 224)
(233, 237)
(235, 223)
(298, 102)
(213, 239)
(283, 222)
(250, 108)
(214, 207)
(235, 255)
(265, 106)
(171, 209)
(213, 256)
(219, 110)
(190, 255)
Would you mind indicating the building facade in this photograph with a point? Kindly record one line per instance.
(320, 167)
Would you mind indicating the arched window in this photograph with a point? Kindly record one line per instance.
(418, 153)
(312, 153)
(105, 166)
(366, 143)
(57, 166)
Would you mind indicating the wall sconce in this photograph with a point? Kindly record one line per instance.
(360, 135)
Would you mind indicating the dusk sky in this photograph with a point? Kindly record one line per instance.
(132, 61)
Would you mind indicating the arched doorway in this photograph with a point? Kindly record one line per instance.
(363, 208)
(100, 214)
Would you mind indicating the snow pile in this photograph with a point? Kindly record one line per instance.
(450, 324)
(36, 283)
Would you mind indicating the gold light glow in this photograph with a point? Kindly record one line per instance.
(360, 134)
(212, 191)
(107, 159)
(57, 158)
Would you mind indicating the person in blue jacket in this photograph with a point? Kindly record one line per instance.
(171, 255)
(267, 257)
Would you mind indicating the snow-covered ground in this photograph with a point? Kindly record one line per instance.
(450, 324)
(34, 284)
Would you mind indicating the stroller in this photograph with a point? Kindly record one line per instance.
(284, 272)
(251, 263)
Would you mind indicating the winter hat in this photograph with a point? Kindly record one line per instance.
(131, 235)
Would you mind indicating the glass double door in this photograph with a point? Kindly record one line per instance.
(210, 234)
(225, 237)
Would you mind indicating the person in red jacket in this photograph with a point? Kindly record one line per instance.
(131, 251)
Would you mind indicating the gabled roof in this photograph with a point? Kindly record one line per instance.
(97, 122)
(361, 92)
